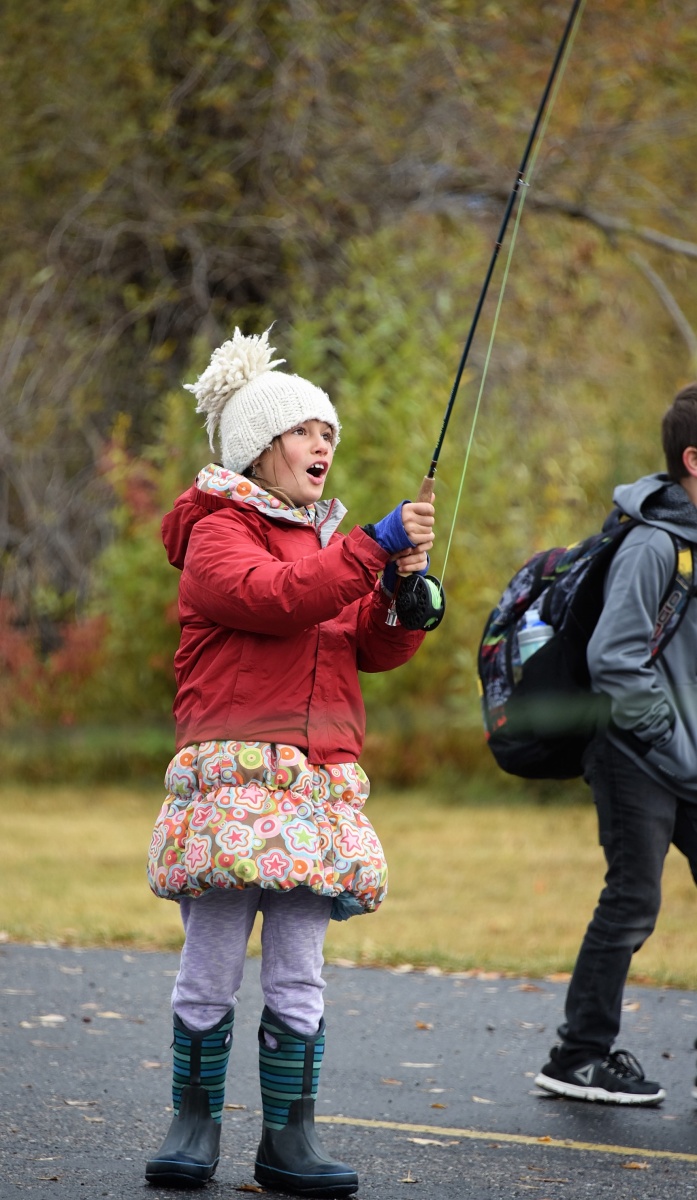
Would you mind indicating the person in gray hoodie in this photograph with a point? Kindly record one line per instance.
(642, 767)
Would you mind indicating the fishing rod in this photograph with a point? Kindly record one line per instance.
(519, 181)
(421, 598)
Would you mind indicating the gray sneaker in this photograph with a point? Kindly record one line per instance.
(616, 1079)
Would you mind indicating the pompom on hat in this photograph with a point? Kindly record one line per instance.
(248, 403)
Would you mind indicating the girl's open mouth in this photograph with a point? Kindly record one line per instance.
(317, 470)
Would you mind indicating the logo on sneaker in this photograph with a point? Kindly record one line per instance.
(585, 1074)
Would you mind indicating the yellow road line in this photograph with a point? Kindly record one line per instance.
(517, 1138)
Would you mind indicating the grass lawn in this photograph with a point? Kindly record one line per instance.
(494, 886)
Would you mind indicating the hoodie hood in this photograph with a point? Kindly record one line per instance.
(216, 488)
(658, 500)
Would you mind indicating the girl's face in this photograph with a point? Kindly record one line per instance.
(298, 461)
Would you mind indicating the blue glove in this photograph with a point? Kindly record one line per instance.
(390, 534)
(389, 575)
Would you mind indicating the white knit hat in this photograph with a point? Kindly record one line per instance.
(249, 403)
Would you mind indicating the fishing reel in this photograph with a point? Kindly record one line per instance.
(419, 602)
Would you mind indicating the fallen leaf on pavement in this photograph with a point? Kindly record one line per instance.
(51, 1019)
(234, 1107)
(393, 1082)
(147, 1065)
(481, 1100)
(80, 1103)
(72, 970)
(527, 987)
(422, 1025)
(249, 1187)
(439, 1105)
(635, 1166)
(631, 1006)
(431, 1142)
(112, 1016)
(408, 1178)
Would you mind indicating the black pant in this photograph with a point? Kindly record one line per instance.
(638, 820)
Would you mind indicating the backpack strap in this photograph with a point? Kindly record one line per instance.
(675, 603)
(618, 517)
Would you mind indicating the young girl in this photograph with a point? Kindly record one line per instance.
(278, 614)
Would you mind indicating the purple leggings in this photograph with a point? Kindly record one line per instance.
(217, 927)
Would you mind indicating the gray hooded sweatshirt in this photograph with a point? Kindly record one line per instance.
(653, 706)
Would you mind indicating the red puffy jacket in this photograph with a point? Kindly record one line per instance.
(274, 627)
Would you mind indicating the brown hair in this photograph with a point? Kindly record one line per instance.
(679, 430)
(265, 483)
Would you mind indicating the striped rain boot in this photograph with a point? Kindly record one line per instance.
(290, 1157)
(189, 1154)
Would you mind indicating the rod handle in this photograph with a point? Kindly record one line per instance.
(427, 490)
(426, 494)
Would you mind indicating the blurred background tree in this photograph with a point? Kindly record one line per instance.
(171, 169)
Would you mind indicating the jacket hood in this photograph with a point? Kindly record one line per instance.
(658, 500)
(216, 488)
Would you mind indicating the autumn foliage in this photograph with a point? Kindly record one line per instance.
(168, 171)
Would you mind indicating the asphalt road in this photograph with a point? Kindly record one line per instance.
(427, 1087)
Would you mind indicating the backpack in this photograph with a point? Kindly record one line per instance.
(539, 716)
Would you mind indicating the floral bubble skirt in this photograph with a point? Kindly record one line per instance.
(258, 814)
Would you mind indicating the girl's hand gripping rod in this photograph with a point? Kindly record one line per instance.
(419, 600)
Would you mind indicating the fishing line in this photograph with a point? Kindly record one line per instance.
(520, 175)
(524, 180)
(419, 601)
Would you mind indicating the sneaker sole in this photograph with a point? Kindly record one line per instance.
(574, 1091)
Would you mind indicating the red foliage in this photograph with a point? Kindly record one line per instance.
(20, 669)
(45, 689)
(69, 668)
(133, 479)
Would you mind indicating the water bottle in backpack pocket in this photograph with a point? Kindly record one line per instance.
(533, 634)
